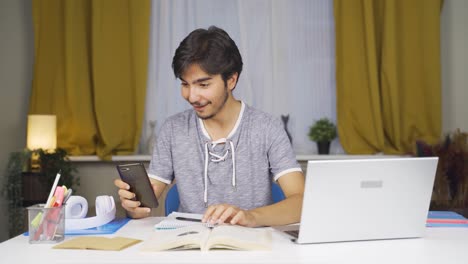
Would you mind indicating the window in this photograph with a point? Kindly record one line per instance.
(288, 49)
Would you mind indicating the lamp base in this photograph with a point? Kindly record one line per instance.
(35, 163)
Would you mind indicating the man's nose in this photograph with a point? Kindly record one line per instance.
(193, 95)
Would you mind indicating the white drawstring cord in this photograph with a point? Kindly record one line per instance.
(205, 194)
(233, 166)
(218, 159)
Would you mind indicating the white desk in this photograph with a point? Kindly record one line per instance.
(441, 245)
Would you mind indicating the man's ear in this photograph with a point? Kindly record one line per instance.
(232, 81)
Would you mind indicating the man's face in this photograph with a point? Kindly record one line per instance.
(206, 93)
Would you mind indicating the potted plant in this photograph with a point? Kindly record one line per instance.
(22, 185)
(450, 192)
(323, 131)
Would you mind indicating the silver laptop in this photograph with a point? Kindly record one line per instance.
(366, 199)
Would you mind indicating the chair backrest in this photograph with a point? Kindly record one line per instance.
(172, 198)
(276, 193)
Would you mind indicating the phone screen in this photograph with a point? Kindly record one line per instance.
(135, 175)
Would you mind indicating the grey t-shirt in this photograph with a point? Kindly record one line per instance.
(238, 172)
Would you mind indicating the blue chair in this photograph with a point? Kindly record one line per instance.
(277, 193)
(172, 198)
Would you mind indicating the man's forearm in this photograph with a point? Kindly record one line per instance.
(285, 212)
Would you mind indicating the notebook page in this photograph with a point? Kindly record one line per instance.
(172, 223)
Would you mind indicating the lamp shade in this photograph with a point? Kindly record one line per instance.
(42, 132)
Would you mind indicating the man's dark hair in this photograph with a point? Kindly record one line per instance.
(212, 49)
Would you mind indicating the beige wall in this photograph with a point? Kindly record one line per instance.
(105, 173)
(454, 45)
(16, 58)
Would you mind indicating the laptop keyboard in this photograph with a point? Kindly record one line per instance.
(294, 233)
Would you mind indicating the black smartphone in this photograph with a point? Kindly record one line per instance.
(135, 175)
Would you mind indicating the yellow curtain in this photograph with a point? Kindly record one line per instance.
(388, 74)
(90, 70)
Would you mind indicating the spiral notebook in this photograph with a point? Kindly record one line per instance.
(172, 221)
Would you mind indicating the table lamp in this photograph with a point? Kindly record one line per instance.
(42, 134)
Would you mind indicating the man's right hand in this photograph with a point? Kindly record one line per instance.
(128, 202)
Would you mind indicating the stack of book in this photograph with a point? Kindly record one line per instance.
(446, 219)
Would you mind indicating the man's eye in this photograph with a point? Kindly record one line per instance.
(204, 84)
(184, 85)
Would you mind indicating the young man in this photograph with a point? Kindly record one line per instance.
(222, 153)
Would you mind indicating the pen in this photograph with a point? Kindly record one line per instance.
(187, 219)
(67, 195)
(52, 191)
(48, 204)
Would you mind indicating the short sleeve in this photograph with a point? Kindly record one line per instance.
(280, 152)
(160, 167)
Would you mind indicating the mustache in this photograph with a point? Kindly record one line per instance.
(198, 104)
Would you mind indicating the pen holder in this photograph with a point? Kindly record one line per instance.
(46, 225)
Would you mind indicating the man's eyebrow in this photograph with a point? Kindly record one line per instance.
(198, 80)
